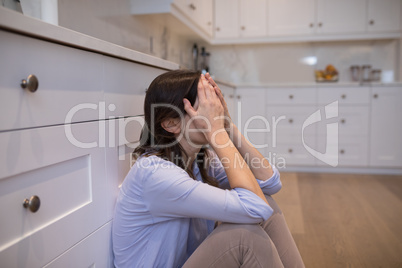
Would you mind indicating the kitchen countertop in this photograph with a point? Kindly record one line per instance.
(16, 22)
(318, 85)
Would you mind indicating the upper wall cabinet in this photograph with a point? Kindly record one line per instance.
(341, 16)
(270, 21)
(289, 17)
(240, 18)
(383, 15)
(195, 16)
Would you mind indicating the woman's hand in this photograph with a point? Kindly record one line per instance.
(228, 119)
(209, 115)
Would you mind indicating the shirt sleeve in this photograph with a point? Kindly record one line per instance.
(269, 186)
(170, 192)
(273, 184)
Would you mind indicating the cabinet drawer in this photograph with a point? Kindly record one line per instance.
(67, 77)
(93, 251)
(352, 121)
(344, 95)
(75, 196)
(285, 154)
(291, 96)
(125, 85)
(126, 138)
(351, 151)
(289, 120)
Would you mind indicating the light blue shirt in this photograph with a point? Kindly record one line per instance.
(162, 215)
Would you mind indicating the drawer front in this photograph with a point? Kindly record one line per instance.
(65, 168)
(70, 84)
(125, 85)
(288, 121)
(351, 151)
(345, 95)
(119, 157)
(352, 121)
(285, 154)
(291, 96)
(93, 251)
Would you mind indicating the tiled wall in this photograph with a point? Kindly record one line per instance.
(296, 62)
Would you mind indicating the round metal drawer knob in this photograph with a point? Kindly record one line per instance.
(32, 203)
(31, 83)
(342, 151)
(343, 121)
(290, 120)
(290, 150)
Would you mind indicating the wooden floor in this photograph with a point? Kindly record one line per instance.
(344, 220)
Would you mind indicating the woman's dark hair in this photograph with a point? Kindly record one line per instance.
(164, 100)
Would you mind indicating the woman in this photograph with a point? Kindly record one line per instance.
(177, 190)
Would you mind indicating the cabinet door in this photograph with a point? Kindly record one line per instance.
(251, 119)
(205, 16)
(226, 18)
(383, 15)
(342, 16)
(253, 18)
(386, 127)
(229, 95)
(287, 17)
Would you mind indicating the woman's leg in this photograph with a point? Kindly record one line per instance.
(278, 231)
(236, 245)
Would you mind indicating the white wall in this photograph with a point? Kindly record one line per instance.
(111, 20)
(285, 63)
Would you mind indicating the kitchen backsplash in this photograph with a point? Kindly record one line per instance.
(295, 63)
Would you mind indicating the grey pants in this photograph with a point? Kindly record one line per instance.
(268, 244)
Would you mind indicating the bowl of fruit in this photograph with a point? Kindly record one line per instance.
(330, 74)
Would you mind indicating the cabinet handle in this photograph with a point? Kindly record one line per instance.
(290, 96)
(320, 24)
(218, 29)
(311, 25)
(242, 28)
(193, 7)
(342, 151)
(209, 23)
(290, 120)
(290, 150)
(231, 96)
(238, 97)
(371, 22)
(343, 96)
(31, 83)
(343, 121)
(375, 96)
(32, 203)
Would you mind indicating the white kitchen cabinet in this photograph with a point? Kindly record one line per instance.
(206, 16)
(289, 17)
(386, 127)
(383, 15)
(226, 18)
(74, 167)
(240, 18)
(84, 254)
(251, 119)
(77, 80)
(342, 16)
(288, 109)
(253, 18)
(63, 166)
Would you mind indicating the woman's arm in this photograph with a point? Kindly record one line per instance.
(258, 164)
(209, 118)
